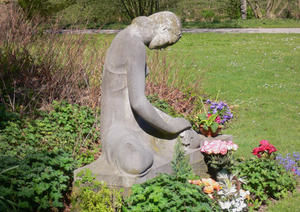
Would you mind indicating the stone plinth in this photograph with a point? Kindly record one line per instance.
(115, 178)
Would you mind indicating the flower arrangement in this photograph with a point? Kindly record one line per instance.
(215, 116)
(264, 150)
(231, 197)
(290, 162)
(218, 147)
(218, 155)
(226, 191)
(210, 185)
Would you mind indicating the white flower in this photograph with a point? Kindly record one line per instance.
(234, 147)
(224, 205)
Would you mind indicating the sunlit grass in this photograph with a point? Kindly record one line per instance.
(258, 74)
(248, 23)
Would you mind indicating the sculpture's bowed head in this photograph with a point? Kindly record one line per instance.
(160, 29)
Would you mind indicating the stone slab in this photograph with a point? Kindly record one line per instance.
(114, 178)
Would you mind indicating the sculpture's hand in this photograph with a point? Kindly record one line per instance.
(192, 139)
(180, 125)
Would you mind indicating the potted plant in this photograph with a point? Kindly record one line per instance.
(215, 115)
(218, 155)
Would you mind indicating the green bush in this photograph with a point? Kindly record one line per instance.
(168, 193)
(180, 164)
(265, 179)
(37, 182)
(68, 127)
(91, 195)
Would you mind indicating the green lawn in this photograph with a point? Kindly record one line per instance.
(234, 23)
(249, 23)
(258, 74)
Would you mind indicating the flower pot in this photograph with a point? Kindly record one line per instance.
(209, 133)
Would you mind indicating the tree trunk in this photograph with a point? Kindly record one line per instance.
(244, 9)
(255, 8)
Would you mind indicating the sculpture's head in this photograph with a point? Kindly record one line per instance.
(161, 29)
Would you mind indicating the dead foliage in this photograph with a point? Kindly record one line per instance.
(165, 82)
(37, 68)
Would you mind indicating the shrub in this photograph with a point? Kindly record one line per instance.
(180, 164)
(168, 193)
(68, 127)
(265, 179)
(92, 195)
(37, 67)
(36, 183)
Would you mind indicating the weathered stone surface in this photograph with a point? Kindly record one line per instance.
(114, 178)
(138, 139)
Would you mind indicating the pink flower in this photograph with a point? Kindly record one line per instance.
(264, 142)
(218, 120)
(223, 150)
(216, 149)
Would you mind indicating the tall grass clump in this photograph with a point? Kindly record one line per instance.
(38, 67)
(167, 82)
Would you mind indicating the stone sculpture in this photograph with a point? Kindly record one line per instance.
(138, 139)
(127, 118)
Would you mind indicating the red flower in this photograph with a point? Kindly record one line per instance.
(256, 151)
(264, 146)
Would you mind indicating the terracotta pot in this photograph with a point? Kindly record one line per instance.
(209, 133)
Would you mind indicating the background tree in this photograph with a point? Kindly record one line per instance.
(43, 8)
(135, 8)
(274, 8)
(244, 9)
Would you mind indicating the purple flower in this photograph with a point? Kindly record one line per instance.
(290, 162)
(219, 107)
(215, 111)
(208, 101)
(297, 172)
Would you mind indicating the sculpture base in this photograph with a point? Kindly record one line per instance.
(114, 178)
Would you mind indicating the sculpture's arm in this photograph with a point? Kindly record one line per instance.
(138, 101)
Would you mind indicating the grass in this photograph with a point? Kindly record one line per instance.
(258, 74)
(249, 23)
(288, 204)
(234, 23)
